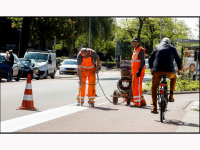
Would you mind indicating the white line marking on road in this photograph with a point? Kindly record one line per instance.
(15, 124)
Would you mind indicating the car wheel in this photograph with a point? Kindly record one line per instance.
(45, 77)
(38, 77)
(53, 76)
(18, 76)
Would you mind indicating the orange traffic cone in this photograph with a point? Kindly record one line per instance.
(27, 103)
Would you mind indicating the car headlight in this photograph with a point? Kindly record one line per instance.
(42, 67)
(61, 67)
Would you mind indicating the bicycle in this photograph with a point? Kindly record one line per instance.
(162, 97)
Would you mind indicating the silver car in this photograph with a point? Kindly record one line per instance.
(68, 66)
(16, 68)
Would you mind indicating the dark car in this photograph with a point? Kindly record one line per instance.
(29, 66)
(16, 68)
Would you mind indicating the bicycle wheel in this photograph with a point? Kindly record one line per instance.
(162, 109)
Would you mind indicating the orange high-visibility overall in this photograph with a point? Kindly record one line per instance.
(88, 70)
(138, 97)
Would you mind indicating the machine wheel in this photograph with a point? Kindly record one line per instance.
(53, 76)
(18, 76)
(45, 77)
(128, 101)
(115, 99)
(38, 77)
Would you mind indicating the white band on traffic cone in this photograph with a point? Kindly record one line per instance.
(28, 86)
(28, 97)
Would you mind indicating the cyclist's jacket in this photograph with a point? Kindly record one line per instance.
(162, 58)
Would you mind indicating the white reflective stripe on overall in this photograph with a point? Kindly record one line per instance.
(87, 67)
(139, 100)
(136, 54)
(79, 97)
(138, 96)
(135, 61)
(91, 97)
(139, 91)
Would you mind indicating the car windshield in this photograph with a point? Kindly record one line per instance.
(37, 57)
(25, 62)
(2, 59)
(68, 62)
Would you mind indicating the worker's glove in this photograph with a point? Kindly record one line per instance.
(79, 82)
(139, 73)
(97, 70)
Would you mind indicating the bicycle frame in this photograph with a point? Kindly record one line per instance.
(162, 98)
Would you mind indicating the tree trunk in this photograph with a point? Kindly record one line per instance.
(42, 44)
(141, 25)
(151, 45)
(25, 35)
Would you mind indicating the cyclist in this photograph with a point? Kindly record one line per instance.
(161, 63)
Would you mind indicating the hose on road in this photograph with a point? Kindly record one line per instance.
(100, 87)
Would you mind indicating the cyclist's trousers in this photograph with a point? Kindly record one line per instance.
(155, 82)
(91, 75)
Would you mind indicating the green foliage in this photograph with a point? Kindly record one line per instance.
(181, 85)
(147, 71)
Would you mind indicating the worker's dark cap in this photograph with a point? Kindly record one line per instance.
(135, 39)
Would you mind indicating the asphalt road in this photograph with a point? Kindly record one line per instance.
(56, 101)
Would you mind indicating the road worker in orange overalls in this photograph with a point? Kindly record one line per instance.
(138, 72)
(86, 69)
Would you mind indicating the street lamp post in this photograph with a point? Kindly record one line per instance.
(175, 34)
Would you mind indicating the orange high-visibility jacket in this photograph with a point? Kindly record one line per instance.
(135, 65)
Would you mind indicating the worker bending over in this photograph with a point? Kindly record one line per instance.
(86, 69)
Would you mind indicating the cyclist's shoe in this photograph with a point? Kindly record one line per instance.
(171, 99)
(91, 104)
(154, 109)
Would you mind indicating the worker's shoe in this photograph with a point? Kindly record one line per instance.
(143, 102)
(79, 104)
(171, 99)
(132, 104)
(154, 109)
(124, 100)
(91, 104)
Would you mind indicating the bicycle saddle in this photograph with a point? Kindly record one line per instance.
(163, 76)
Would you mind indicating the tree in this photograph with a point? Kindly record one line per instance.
(141, 21)
(22, 23)
(151, 30)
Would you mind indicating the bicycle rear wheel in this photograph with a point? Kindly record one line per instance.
(162, 110)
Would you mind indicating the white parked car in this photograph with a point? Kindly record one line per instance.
(68, 66)
(46, 60)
